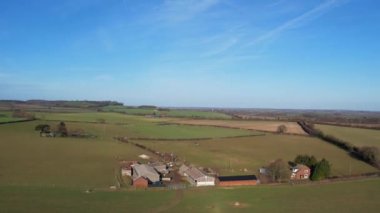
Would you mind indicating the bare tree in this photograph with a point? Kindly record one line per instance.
(279, 170)
(282, 129)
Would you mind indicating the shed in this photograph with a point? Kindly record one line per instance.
(241, 180)
(197, 178)
(126, 167)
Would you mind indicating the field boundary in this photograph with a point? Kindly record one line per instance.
(193, 139)
(353, 150)
(18, 121)
(348, 125)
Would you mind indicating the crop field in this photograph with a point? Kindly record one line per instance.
(269, 126)
(247, 155)
(355, 136)
(337, 197)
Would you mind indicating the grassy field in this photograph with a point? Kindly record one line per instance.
(141, 127)
(27, 158)
(353, 196)
(169, 113)
(7, 116)
(107, 117)
(355, 136)
(40, 174)
(270, 126)
(233, 156)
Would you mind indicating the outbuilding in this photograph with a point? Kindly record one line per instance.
(140, 182)
(241, 180)
(197, 178)
(146, 171)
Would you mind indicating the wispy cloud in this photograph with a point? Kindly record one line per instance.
(298, 21)
(178, 11)
(226, 45)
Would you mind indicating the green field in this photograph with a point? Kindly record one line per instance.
(141, 127)
(233, 156)
(27, 159)
(169, 113)
(40, 174)
(356, 136)
(353, 196)
(7, 116)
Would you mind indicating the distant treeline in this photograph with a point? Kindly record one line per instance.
(342, 117)
(368, 154)
(61, 103)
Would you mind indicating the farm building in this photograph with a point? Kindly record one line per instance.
(300, 172)
(242, 180)
(146, 171)
(140, 182)
(197, 178)
(160, 167)
(126, 167)
(182, 169)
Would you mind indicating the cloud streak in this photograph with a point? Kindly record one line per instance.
(297, 22)
(178, 11)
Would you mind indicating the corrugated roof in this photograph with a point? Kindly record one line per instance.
(145, 171)
(195, 173)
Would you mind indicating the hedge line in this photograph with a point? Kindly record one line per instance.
(370, 155)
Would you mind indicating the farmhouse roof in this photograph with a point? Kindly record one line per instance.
(301, 167)
(145, 171)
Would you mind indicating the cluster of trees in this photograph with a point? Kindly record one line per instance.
(319, 169)
(18, 113)
(370, 155)
(278, 170)
(60, 130)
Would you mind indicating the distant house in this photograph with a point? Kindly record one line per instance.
(242, 180)
(140, 182)
(196, 177)
(160, 167)
(146, 171)
(300, 172)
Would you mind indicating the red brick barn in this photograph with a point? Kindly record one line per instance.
(140, 182)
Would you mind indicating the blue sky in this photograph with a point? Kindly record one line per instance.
(315, 54)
